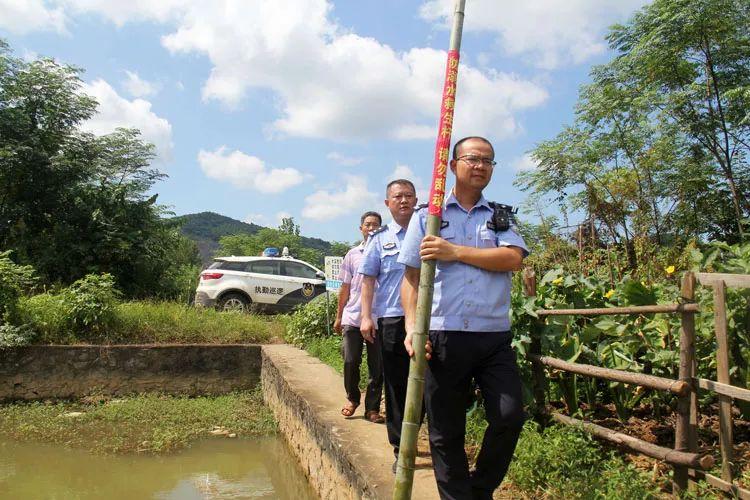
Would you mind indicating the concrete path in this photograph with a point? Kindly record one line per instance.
(353, 448)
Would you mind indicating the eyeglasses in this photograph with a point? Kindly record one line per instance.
(475, 161)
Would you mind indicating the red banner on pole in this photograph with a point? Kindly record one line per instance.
(443, 144)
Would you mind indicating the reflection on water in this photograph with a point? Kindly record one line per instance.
(213, 469)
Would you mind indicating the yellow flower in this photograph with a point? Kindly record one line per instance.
(557, 281)
(669, 269)
(609, 294)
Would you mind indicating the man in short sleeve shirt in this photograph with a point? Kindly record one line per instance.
(347, 323)
(469, 335)
(380, 266)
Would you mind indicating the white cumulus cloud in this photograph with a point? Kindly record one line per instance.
(137, 86)
(344, 160)
(547, 33)
(247, 172)
(116, 111)
(24, 16)
(325, 205)
(329, 81)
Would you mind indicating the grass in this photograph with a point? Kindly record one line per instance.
(148, 423)
(154, 322)
(163, 322)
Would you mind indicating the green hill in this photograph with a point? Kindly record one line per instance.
(206, 228)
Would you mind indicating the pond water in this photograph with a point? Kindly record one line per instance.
(211, 469)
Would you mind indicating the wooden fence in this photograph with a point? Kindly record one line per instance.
(688, 464)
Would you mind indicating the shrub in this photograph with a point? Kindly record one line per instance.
(311, 320)
(90, 303)
(84, 310)
(13, 336)
(14, 280)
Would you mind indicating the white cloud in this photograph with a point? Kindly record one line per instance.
(330, 82)
(24, 16)
(546, 33)
(138, 87)
(324, 205)
(115, 111)
(346, 161)
(247, 172)
(525, 162)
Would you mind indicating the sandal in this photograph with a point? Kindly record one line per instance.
(349, 409)
(375, 417)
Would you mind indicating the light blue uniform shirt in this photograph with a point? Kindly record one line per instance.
(466, 297)
(379, 261)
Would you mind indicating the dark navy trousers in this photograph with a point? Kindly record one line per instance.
(390, 338)
(351, 348)
(488, 358)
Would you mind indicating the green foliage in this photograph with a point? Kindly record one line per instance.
(641, 343)
(90, 304)
(149, 423)
(168, 322)
(14, 281)
(15, 336)
(561, 462)
(658, 150)
(311, 320)
(48, 315)
(73, 203)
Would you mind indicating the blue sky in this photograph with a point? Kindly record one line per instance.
(267, 108)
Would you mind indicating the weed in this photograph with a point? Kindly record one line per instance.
(148, 423)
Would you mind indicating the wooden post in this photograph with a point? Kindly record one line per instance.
(683, 429)
(537, 371)
(722, 371)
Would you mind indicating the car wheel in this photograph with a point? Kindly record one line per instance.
(233, 302)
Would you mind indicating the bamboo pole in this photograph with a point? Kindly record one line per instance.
(682, 439)
(603, 311)
(680, 458)
(722, 371)
(679, 387)
(415, 389)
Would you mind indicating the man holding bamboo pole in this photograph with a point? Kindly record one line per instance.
(469, 333)
(379, 265)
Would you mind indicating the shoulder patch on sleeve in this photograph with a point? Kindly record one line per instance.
(378, 231)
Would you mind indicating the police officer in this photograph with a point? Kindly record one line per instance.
(380, 265)
(469, 333)
(347, 323)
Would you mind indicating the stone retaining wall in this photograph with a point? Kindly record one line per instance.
(343, 458)
(42, 372)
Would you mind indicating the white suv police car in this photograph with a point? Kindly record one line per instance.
(270, 284)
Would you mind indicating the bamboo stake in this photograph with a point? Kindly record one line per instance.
(722, 372)
(415, 389)
(681, 458)
(679, 387)
(604, 311)
(682, 438)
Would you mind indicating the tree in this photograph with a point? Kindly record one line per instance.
(288, 226)
(72, 203)
(693, 56)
